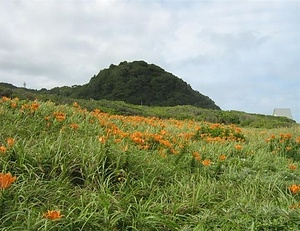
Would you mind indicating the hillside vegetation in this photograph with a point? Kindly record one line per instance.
(138, 83)
(63, 167)
(180, 112)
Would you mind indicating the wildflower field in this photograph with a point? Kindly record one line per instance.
(65, 168)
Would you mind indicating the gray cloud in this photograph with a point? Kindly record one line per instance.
(242, 54)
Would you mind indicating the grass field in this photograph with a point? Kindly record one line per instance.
(65, 168)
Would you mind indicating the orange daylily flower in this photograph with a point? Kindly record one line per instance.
(288, 148)
(102, 139)
(197, 156)
(206, 162)
(13, 105)
(3, 149)
(4, 98)
(74, 125)
(165, 143)
(214, 126)
(52, 215)
(288, 136)
(238, 147)
(6, 179)
(222, 157)
(34, 106)
(10, 141)
(295, 206)
(292, 167)
(75, 104)
(294, 188)
(60, 116)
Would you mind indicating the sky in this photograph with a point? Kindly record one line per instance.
(243, 54)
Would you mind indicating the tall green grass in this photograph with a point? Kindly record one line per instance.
(112, 172)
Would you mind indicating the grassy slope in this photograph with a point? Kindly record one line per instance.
(178, 112)
(109, 172)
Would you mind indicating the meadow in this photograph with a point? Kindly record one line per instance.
(66, 168)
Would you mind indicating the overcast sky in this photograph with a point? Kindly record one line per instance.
(243, 54)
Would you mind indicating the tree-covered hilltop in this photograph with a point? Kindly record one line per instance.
(141, 89)
(138, 82)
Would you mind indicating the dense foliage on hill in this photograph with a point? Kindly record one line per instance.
(138, 88)
(138, 83)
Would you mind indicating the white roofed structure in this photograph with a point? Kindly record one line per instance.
(286, 112)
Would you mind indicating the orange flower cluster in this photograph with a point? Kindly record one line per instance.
(6, 179)
(74, 126)
(102, 139)
(13, 105)
(197, 156)
(186, 136)
(284, 143)
(285, 136)
(13, 102)
(288, 148)
(34, 106)
(292, 167)
(30, 107)
(53, 214)
(9, 143)
(214, 126)
(59, 116)
(294, 188)
(238, 147)
(295, 206)
(143, 139)
(206, 162)
(222, 157)
(75, 104)
(214, 139)
(5, 99)
(219, 133)
(137, 137)
(3, 149)
(166, 136)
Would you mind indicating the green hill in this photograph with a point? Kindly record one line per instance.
(138, 83)
(142, 89)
